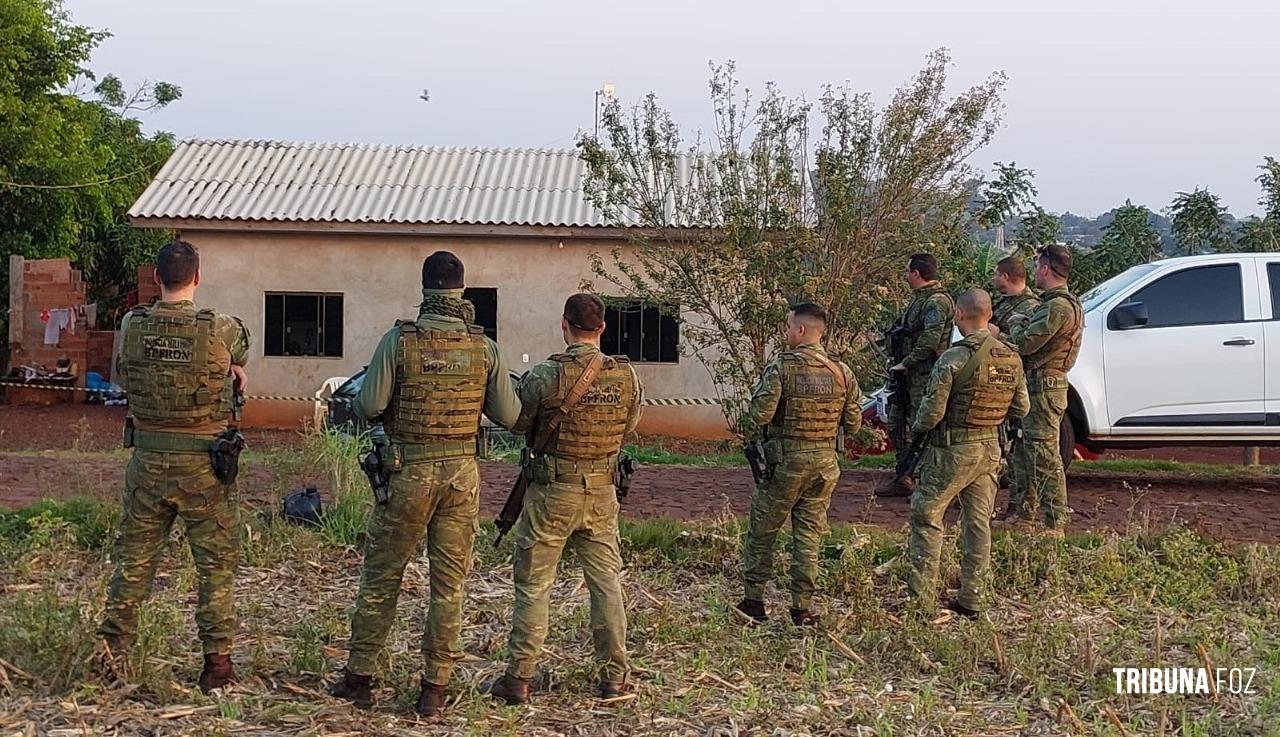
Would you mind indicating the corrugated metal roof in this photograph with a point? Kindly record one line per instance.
(350, 183)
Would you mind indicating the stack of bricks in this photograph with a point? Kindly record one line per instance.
(36, 286)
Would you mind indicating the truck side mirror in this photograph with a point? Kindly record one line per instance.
(1128, 316)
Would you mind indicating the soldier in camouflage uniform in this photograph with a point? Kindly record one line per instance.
(178, 365)
(801, 402)
(927, 321)
(1013, 307)
(572, 501)
(1049, 342)
(429, 380)
(973, 387)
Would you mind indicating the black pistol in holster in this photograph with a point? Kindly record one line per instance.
(225, 450)
(622, 474)
(378, 462)
(754, 451)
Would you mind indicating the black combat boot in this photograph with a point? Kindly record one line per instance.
(218, 672)
(753, 610)
(430, 699)
(804, 618)
(512, 690)
(355, 688)
(613, 689)
(964, 611)
(896, 486)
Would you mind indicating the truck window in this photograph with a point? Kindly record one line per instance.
(1273, 279)
(1204, 295)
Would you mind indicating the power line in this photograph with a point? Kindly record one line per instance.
(99, 183)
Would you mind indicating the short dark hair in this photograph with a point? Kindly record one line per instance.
(177, 264)
(442, 270)
(810, 310)
(1057, 258)
(1012, 267)
(584, 312)
(924, 264)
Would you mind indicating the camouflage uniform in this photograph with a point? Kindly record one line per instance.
(802, 404)
(429, 380)
(571, 500)
(174, 363)
(1049, 343)
(973, 387)
(928, 319)
(1012, 311)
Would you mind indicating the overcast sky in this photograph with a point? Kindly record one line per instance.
(1106, 100)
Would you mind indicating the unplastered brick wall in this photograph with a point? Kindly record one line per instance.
(36, 286)
(148, 290)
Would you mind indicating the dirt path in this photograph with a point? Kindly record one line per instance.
(1230, 511)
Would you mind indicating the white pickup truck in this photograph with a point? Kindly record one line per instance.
(1183, 351)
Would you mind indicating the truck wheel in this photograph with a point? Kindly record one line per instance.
(1067, 441)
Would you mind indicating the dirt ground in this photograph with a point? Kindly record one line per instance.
(1243, 509)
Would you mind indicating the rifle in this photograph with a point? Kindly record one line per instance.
(754, 451)
(908, 460)
(897, 386)
(515, 500)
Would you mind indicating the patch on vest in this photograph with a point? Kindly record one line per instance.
(451, 363)
(815, 385)
(1002, 376)
(168, 348)
(603, 396)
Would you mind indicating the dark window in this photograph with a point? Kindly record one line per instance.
(1204, 295)
(1273, 278)
(641, 332)
(485, 300)
(303, 325)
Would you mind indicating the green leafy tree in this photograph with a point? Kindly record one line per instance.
(1129, 239)
(736, 227)
(1270, 181)
(1010, 192)
(71, 161)
(1037, 227)
(1257, 235)
(1199, 222)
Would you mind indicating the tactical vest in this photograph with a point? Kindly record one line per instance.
(813, 394)
(1059, 353)
(983, 390)
(593, 429)
(913, 319)
(1007, 307)
(441, 377)
(168, 366)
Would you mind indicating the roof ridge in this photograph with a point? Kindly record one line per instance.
(358, 146)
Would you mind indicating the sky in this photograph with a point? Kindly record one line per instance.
(1106, 100)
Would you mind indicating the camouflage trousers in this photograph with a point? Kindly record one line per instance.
(584, 517)
(160, 488)
(1038, 475)
(800, 490)
(917, 383)
(440, 500)
(966, 470)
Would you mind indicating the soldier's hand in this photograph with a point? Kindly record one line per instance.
(994, 329)
(898, 367)
(241, 378)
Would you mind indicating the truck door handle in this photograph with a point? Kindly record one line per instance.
(1238, 341)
